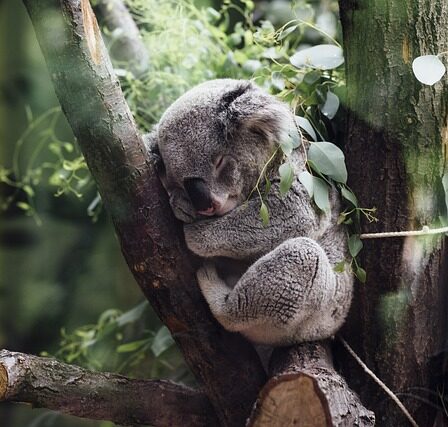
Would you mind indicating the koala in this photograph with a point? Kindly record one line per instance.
(213, 143)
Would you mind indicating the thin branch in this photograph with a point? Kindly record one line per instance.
(151, 238)
(386, 389)
(127, 44)
(45, 382)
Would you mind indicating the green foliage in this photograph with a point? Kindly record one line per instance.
(42, 158)
(119, 342)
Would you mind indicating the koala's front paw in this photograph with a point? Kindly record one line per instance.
(182, 207)
(197, 240)
(207, 277)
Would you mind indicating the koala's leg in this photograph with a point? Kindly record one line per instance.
(289, 295)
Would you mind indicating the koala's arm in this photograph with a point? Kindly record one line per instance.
(289, 295)
(241, 234)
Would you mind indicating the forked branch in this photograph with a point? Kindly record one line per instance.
(47, 383)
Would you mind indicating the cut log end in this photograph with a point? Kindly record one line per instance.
(3, 382)
(306, 390)
(292, 400)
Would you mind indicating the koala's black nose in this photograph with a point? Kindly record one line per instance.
(199, 193)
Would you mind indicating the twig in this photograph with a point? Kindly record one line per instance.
(387, 390)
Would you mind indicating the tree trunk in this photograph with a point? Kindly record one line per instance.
(396, 142)
(151, 238)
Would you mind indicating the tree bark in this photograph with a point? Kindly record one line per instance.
(151, 239)
(396, 141)
(127, 44)
(305, 390)
(47, 383)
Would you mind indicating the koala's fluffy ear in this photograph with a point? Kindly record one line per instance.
(150, 141)
(248, 108)
(151, 144)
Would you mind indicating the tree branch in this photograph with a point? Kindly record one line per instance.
(151, 239)
(127, 44)
(306, 390)
(48, 383)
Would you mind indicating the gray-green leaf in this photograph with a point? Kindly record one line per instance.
(348, 195)
(354, 245)
(264, 214)
(286, 146)
(306, 126)
(329, 159)
(286, 177)
(307, 181)
(133, 314)
(361, 274)
(320, 193)
(162, 341)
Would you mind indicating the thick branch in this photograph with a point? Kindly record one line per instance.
(150, 237)
(45, 382)
(305, 390)
(127, 44)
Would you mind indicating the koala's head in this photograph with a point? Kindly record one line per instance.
(214, 141)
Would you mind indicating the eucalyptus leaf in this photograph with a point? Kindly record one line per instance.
(267, 186)
(348, 195)
(327, 22)
(131, 346)
(331, 105)
(428, 69)
(295, 140)
(339, 267)
(286, 177)
(278, 80)
(320, 194)
(24, 206)
(361, 274)
(264, 214)
(306, 126)
(285, 33)
(323, 56)
(28, 190)
(329, 159)
(354, 245)
(162, 341)
(286, 146)
(307, 181)
(133, 314)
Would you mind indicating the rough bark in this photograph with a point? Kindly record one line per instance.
(151, 239)
(47, 383)
(126, 43)
(396, 141)
(305, 390)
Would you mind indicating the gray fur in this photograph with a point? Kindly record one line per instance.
(290, 292)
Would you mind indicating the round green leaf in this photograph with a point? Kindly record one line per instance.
(428, 69)
(323, 56)
(329, 159)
